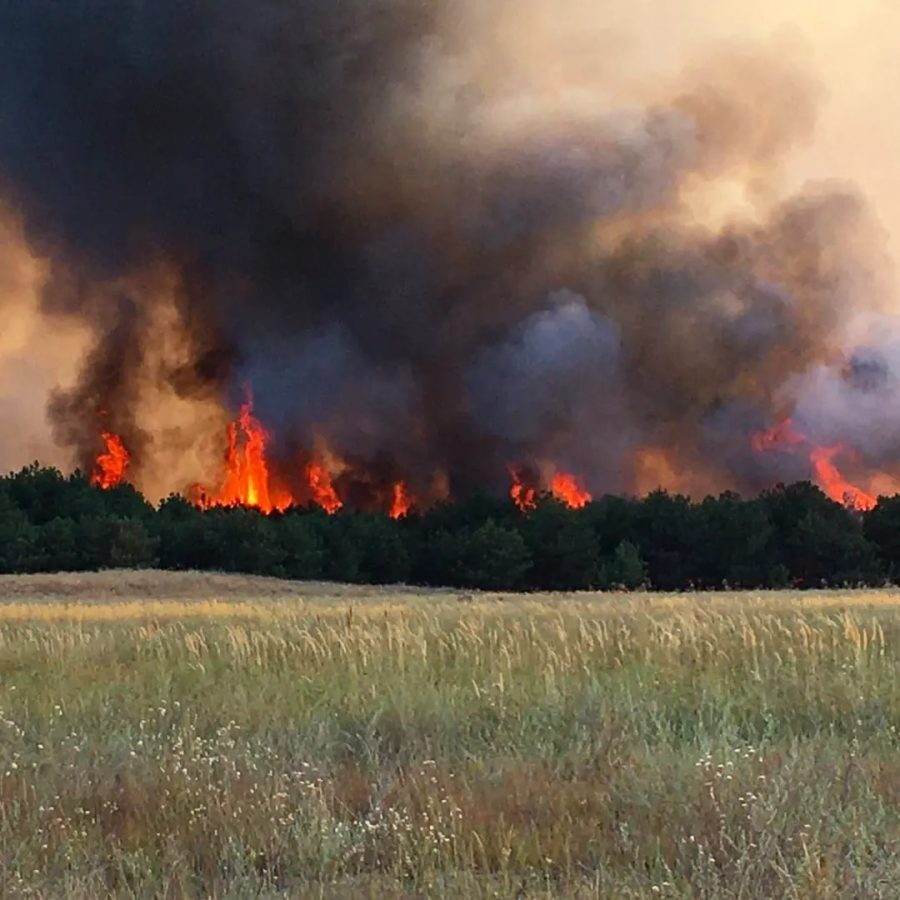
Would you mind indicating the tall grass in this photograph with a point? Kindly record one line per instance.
(690, 746)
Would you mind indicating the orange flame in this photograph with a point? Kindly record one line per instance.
(246, 470)
(402, 501)
(109, 469)
(523, 495)
(779, 437)
(822, 460)
(323, 493)
(565, 487)
(834, 484)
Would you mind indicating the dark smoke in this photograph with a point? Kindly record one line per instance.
(433, 266)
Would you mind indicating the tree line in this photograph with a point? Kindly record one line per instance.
(790, 536)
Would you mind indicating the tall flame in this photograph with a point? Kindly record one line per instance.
(109, 469)
(401, 502)
(834, 484)
(246, 481)
(322, 488)
(822, 463)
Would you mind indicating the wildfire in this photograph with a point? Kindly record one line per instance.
(246, 480)
(565, 487)
(822, 462)
(781, 436)
(401, 502)
(109, 469)
(523, 495)
(320, 484)
(834, 484)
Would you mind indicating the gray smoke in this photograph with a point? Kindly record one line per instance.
(408, 251)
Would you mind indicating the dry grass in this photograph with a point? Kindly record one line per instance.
(189, 735)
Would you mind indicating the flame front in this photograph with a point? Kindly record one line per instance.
(565, 487)
(822, 463)
(109, 469)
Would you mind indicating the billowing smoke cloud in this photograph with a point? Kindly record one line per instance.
(552, 389)
(427, 243)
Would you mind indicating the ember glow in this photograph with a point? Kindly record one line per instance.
(823, 463)
(110, 467)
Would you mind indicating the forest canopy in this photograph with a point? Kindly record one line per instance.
(790, 536)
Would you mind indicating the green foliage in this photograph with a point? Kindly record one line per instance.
(736, 538)
(385, 559)
(242, 540)
(17, 538)
(491, 557)
(564, 549)
(301, 547)
(882, 530)
(789, 536)
(57, 546)
(625, 569)
(670, 532)
(131, 546)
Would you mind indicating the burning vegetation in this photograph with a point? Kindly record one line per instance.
(822, 462)
(112, 463)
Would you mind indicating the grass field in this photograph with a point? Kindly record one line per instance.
(190, 735)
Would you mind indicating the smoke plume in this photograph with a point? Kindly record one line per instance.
(439, 239)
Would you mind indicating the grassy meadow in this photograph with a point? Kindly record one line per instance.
(187, 735)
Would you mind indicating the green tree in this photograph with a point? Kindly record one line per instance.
(613, 519)
(563, 547)
(735, 548)
(240, 540)
(831, 550)
(41, 494)
(624, 569)
(343, 550)
(179, 525)
(131, 546)
(384, 559)
(94, 535)
(57, 546)
(18, 539)
(816, 539)
(667, 528)
(491, 557)
(881, 527)
(301, 546)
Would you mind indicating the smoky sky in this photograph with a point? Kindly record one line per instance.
(415, 257)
